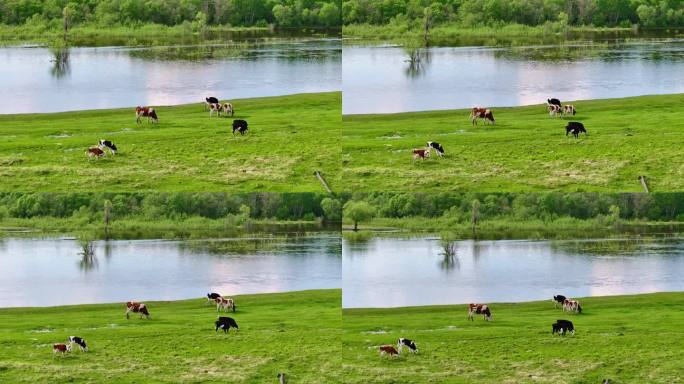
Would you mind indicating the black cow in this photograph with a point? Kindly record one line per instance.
(79, 341)
(558, 299)
(562, 326)
(240, 126)
(406, 343)
(226, 323)
(553, 101)
(437, 147)
(575, 128)
(211, 297)
(108, 144)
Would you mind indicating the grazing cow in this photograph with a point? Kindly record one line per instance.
(479, 309)
(61, 348)
(225, 303)
(94, 152)
(421, 153)
(562, 326)
(575, 128)
(210, 100)
(558, 299)
(214, 108)
(282, 379)
(389, 350)
(136, 307)
(211, 297)
(240, 126)
(225, 323)
(481, 113)
(555, 110)
(437, 147)
(406, 343)
(79, 341)
(109, 145)
(572, 306)
(228, 109)
(569, 110)
(148, 112)
(553, 101)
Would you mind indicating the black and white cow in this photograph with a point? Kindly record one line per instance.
(562, 327)
(558, 299)
(240, 126)
(226, 323)
(406, 343)
(575, 128)
(553, 101)
(211, 297)
(78, 341)
(437, 147)
(109, 145)
(208, 101)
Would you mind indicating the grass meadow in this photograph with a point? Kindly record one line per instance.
(526, 150)
(627, 339)
(295, 333)
(289, 138)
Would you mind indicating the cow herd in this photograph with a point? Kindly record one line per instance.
(223, 322)
(560, 327)
(554, 107)
(212, 104)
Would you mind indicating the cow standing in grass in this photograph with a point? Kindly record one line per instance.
(575, 128)
(94, 152)
(208, 101)
(572, 306)
(211, 297)
(408, 344)
(148, 112)
(78, 341)
(555, 110)
(421, 153)
(225, 303)
(479, 309)
(228, 109)
(562, 327)
(61, 348)
(240, 126)
(558, 299)
(569, 109)
(388, 350)
(482, 113)
(225, 323)
(136, 307)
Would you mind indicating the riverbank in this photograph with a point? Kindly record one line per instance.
(525, 151)
(617, 337)
(511, 228)
(499, 35)
(294, 332)
(150, 34)
(289, 138)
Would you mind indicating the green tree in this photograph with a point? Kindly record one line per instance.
(332, 209)
(358, 211)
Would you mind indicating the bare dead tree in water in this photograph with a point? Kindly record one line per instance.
(449, 258)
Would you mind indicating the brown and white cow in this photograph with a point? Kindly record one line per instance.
(61, 348)
(148, 112)
(482, 113)
(228, 109)
(479, 309)
(136, 307)
(388, 350)
(225, 303)
(569, 110)
(570, 305)
(421, 153)
(94, 152)
(555, 110)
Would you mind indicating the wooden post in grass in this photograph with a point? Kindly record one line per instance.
(322, 180)
(643, 183)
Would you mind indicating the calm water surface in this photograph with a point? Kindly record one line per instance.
(39, 79)
(394, 272)
(385, 80)
(43, 272)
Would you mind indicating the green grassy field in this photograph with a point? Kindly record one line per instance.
(296, 333)
(525, 151)
(628, 339)
(289, 138)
